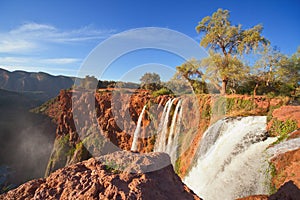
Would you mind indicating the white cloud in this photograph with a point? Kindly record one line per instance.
(60, 61)
(32, 36)
(28, 27)
(13, 45)
(39, 61)
(14, 60)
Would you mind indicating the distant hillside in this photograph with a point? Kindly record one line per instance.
(42, 85)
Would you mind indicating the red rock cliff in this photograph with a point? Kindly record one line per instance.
(109, 115)
(93, 179)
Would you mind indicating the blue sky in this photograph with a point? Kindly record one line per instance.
(57, 36)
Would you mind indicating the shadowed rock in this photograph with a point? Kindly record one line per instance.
(289, 191)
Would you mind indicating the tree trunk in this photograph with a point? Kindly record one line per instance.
(255, 88)
(224, 85)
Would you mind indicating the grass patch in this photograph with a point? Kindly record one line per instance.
(112, 167)
(272, 172)
(281, 129)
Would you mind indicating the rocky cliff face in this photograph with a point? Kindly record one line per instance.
(103, 124)
(288, 112)
(114, 114)
(286, 168)
(94, 124)
(285, 116)
(285, 124)
(97, 179)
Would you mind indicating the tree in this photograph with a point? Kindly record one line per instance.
(226, 42)
(223, 70)
(268, 69)
(150, 81)
(290, 71)
(89, 82)
(190, 71)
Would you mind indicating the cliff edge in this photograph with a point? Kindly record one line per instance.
(101, 178)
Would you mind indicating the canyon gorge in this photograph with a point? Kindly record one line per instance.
(209, 142)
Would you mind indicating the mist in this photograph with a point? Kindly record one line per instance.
(26, 141)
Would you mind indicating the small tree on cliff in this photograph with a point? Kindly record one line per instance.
(89, 82)
(226, 42)
(150, 81)
(191, 72)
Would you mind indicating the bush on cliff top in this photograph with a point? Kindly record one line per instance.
(282, 129)
(162, 91)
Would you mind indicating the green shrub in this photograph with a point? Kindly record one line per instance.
(282, 129)
(64, 140)
(112, 167)
(206, 112)
(162, 91)
(177, 166)
(239, 104)
(71, 152)
(61, 151)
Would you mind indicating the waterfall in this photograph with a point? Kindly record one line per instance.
(172, 144)
(160, 145)
(137, 131)
(167, 137)
(283, 147)
(231, 160)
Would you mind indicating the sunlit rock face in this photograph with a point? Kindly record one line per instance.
(109, 177)
(102, 117)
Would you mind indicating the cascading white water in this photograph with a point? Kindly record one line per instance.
(172, 143)
(137, 131)
(160, 145)
(285, 146)
(230, 161)
(167, 137)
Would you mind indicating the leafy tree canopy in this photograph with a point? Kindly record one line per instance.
(226, 42)
(150, 81)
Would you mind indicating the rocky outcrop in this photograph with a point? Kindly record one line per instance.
(285, 113)
(115, 112)
(285, 164)
(255, 197)
(288, 112)
(102, 178)
(287, 191)
(286, 168)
